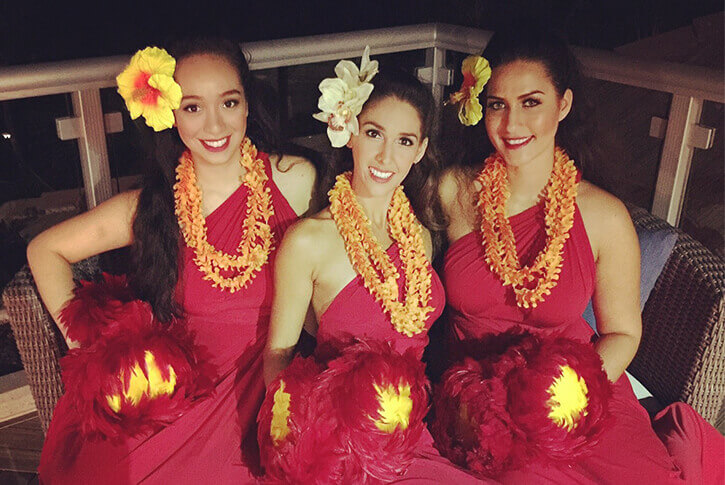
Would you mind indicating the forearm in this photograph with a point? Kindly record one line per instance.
(275, 361)
(616, 350)
(54, 279)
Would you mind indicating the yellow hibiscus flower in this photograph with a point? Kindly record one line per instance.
(476, 73)
(148, 87)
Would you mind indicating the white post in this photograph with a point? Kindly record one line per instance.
(92, 146)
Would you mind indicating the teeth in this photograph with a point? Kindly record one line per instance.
(516, 141)
(216, 143)
(380, 173)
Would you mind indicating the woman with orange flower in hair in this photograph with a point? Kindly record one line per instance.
(531, 243)
(203, 230)
(362, 267)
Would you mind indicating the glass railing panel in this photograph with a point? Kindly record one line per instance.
(703, 209)
(626, 157)
(291, 93)
(128, 149)
(40, 176)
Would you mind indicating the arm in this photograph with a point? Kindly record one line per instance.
(293, 286)
(52, 252)
(616, 293)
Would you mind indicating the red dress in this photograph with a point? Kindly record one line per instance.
(206, 443)
(629, 452)
(356, 313)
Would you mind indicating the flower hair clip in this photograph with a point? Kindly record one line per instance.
(147, 86)
(343, 97)
(476, 73)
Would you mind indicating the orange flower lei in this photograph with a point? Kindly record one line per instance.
(256, 242)
(373, 264)
(498, 238)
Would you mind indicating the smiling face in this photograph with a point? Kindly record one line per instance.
(212, 118)
(523, 111)
(389, 143)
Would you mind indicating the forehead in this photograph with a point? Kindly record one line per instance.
(519, 76)
(394, 115)
(201, 72)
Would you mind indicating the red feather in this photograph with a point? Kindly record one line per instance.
(125, 330)
(333, 437)
(491, 412)
(95, 308)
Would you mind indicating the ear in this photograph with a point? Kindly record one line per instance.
(565, 104)
(421, 151)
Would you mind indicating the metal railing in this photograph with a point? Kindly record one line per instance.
(690, 87)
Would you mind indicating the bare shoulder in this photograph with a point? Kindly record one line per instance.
(300, 169)
(295, 177)
(454, 180)
(605, 217)
(310, 236)
(598, 204)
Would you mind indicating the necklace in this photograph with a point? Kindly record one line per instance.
(372, 263)
(530, 283)
(256, 241)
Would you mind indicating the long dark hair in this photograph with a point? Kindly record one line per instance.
(155, 268)
(421, 183)
(530, 42)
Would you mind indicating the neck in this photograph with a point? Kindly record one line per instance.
(527, 182)
(376, 208)
(218, 177)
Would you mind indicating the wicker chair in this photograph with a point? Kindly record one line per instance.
(39, 341)
(680, 357)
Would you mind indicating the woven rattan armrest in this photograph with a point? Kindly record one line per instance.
(38, 339)
(680, 357)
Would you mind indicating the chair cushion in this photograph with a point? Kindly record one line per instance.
(655, 249)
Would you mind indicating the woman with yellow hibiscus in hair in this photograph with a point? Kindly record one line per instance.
(531, 243)
(203, 231)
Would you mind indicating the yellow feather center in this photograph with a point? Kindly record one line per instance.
(395, 407)
(151, 384)
(279, 429)
(568, 400)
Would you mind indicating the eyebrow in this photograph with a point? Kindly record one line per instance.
(411, 135)
(225, 93)
(519, 97)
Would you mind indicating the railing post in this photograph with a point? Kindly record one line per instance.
(435, 72)
(92, 146)
(676, 157)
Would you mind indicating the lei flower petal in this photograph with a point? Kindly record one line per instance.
(148, 87)
(476, 73)
(343, 97)
(531, 284)
(380, 276)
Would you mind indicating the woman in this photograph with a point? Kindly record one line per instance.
(177, 237)
(323, 264)
(531, 243)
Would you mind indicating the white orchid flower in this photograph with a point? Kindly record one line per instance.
(343, 97)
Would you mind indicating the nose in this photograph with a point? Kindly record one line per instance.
(214, 122)
(512, 118)
(385, 153)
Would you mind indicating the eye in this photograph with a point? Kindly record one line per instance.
(231, 103)
(191, 108)
(405, 141)
(495, 105)
(531, 102)
(372, 133)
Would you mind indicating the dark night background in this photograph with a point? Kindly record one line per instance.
(34, 31)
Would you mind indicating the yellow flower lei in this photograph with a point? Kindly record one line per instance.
(256, 242)
(498, 238)
(373, 264)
